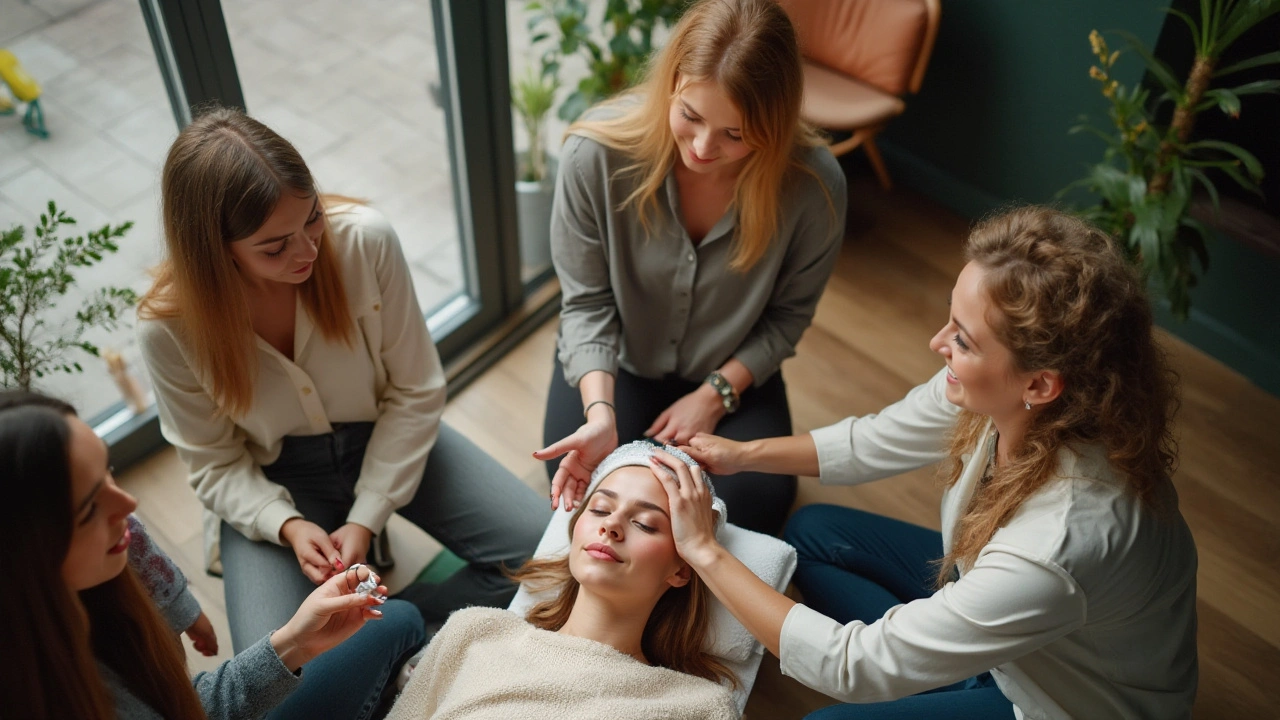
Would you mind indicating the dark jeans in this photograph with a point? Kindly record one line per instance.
(756, 501)
(855, 565)
(467, 501)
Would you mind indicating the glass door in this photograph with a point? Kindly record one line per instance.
(402, 103)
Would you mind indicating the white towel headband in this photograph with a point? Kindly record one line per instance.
(638, 453)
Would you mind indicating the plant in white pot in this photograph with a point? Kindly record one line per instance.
(532, 96)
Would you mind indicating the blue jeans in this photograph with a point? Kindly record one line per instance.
(855, 565)
(349, 680)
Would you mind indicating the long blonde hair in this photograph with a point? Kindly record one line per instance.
(674, 634)
(1064, 298)
(222, 179)
(749, 49)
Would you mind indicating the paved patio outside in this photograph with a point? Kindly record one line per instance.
(345, 80)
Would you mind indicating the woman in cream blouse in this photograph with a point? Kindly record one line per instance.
(294, 374)
(1063, 582)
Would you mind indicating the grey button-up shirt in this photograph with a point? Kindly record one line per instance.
(656, 304)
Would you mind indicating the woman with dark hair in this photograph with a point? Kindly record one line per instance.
(696, 221)
(92, 644)
(1063, 583)
(295, 376)
(620, 632)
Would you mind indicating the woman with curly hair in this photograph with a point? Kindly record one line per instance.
(1063, 582)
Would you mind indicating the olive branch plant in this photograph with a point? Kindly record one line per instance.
(1144, 184)
(36, 271)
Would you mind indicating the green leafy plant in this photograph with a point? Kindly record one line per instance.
(35, 272)
(627, 27)
(1149, 171)
(532, 96)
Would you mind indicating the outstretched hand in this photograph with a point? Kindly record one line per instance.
(583, 451)
(720, 456)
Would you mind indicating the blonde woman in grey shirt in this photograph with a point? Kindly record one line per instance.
(695, 224)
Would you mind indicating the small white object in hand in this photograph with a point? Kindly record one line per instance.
(368, 586)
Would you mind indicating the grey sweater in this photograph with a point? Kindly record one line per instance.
(247, 686)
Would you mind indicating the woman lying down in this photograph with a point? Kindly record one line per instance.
(622, 637)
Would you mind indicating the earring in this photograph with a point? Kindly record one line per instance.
(1027, 403)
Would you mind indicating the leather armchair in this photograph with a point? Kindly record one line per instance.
(860, 58)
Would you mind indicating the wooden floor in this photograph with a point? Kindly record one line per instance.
(866, 348)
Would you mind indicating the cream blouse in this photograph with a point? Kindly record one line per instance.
(391, 376)
(1081, 606)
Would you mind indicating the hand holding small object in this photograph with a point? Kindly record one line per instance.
(332, 613)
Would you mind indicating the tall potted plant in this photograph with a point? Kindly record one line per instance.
(38, 270)
(1144, 184)
(532, 96)
(626, 28)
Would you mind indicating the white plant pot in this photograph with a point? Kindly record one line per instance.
(533, 215)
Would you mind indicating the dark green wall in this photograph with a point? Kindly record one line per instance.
(989, 128)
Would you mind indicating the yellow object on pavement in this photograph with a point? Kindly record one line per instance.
(24, 87)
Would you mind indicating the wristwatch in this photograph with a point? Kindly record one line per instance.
(727, 396)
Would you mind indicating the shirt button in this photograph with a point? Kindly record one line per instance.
(377, 306)
(306, 391)
(692, 257)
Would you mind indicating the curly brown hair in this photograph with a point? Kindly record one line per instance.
(1064, 298)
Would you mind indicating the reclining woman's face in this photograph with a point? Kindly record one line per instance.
(622, 544)
(100, 512)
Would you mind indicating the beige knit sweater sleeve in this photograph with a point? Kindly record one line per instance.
(488, 664)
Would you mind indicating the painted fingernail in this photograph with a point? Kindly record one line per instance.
(337, 563)
(375, 611)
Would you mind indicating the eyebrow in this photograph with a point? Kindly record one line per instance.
(642, 503)
(268, 241)
(698, 114)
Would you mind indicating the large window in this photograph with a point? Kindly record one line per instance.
(404, 103)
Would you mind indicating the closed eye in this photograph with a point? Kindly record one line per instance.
(961, 343)
(283, 245)
(645, 528)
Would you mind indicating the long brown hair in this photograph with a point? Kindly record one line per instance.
(57, 637)
(674, 634)
(749, 49)
(223, 177)
(1064, 298)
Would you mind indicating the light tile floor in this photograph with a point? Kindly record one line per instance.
(345, 80)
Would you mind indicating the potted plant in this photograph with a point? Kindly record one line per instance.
(37, 271)
(532, 95)
(1150, 169)
(613, 65)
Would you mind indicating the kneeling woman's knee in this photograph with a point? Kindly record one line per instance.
(805, 523)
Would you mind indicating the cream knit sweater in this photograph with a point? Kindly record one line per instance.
(491, 664)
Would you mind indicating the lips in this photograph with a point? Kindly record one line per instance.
(694, 156)
(951, 376)
(600, 551)
(302, 269)
(122, 544)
